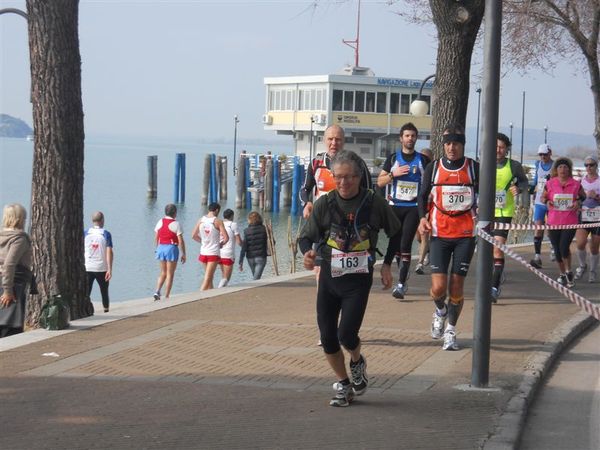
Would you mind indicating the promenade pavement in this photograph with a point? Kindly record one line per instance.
(239, 367)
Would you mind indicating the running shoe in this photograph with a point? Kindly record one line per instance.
(437, 325)
(580, 271)
(450, 341)
(105, 310)
(536, 262)
(592, 276)
(419, 269)
(358, 370)
(570, 279)
(552, 255)
(495, 294)
(156, 296)
(399, 291)
(344, 394)
(562, 279)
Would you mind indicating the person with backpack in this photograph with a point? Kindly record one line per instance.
(346, 221)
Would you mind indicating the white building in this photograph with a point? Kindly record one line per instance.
(370, 109)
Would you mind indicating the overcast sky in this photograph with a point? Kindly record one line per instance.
(185, 68)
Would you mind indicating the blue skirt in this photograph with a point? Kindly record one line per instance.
(167, 252)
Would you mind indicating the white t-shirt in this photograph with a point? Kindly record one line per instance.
(228, 250)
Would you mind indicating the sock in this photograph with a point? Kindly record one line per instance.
(537, 245)
(498, 269)
(582, 256)
(345, 381)
(450, 327)
(440, 304)
(594, 259)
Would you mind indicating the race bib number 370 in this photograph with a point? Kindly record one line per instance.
(347, 263)
(457, 198)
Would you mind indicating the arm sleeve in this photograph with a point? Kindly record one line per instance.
(309, 184)
(310, 232)
(423, 197)
(387, 165)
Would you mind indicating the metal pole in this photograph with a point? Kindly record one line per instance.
(491, 82)
(522, 128)
(312, 120)
(511, 127)
(235, 122)
(478, 111)
(546, 134)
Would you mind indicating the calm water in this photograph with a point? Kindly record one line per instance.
(116, 183)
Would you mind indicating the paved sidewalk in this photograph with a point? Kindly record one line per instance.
(239, 368)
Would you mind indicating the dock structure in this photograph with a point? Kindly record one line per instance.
(265, 178)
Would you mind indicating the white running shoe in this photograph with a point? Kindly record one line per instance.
(437, 325)
(450, 341)
(358, 369)
(580, 271)
(552, 255)
(419, 269)
(592, 276)
(344, 394)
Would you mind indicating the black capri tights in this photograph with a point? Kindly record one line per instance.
(347, 295)
(561, 241)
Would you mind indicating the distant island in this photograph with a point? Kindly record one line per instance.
(14, 128)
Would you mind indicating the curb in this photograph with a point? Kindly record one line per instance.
(510, 424)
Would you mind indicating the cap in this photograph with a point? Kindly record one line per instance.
(544, 149)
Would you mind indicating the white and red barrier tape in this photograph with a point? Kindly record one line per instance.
(532, 226)
(589, 307)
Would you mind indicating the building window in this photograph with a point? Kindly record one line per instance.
(405, 104)
(394, 103)
(300, 102)
(319, 105)
(337, 100)
(359, 101)
(348, 100)
(277, 100)
(381, 102)
(364, 140)
(370, 106)
(349, 140)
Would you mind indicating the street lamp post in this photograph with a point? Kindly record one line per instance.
(546, 134)
(478, 111)
(312, 121)
(235, 122)
(419, 107)
(522, 128)
(511, 127)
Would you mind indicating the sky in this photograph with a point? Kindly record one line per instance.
(185, 68)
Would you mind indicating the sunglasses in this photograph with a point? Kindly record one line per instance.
(590, 164)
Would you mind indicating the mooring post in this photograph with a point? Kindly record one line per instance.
(223, 178)
(182, 178)
(176, 178)
(152, 162)
(248, 198)
(205, 181)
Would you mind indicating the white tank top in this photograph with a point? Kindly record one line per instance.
(210, 237)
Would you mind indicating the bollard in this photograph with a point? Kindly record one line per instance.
(248, 199)
(240, 182)
(152, 162)
(176, 178)
(213, 178)
(269, 185)
(205, 181)
(182, 178)
(276, 183)
(296, 180)
(223, 178)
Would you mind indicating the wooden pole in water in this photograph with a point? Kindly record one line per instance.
(268, 185)
(240, 182)
(182, 178)
(223, 178)
(205, 181)
(152, 162)
(271, 244)
(248, 200)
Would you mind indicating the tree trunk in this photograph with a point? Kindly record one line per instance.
(457, 25)
(57, 179)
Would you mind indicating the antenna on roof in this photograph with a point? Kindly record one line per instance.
(357, 40)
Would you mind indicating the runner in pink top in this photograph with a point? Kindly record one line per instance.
(563, 196)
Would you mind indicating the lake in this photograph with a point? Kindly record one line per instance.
(116, 182)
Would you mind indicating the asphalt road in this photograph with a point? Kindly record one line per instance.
(566, 412)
